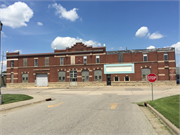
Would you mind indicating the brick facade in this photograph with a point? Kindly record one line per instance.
(164, 69)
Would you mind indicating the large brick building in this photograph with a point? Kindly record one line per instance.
(82, 65)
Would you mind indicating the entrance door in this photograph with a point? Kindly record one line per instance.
(108, 79)
(73, 78)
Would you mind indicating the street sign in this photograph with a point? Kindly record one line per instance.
(152, 77)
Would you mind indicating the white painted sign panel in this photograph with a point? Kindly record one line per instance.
(118, 68)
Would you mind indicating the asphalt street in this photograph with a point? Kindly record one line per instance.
(88, 112)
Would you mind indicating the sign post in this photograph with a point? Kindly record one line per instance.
(152, 78)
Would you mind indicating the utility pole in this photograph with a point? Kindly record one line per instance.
(2, 62)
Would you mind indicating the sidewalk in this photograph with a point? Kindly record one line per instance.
(36, 99)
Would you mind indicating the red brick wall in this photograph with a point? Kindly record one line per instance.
(127, 57)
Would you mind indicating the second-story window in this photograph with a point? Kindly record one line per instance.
(165, 55)
(97, 59)
(24, 62)
(61, 61)
(85, 59)
(145, 58)
(46, 61)
(35, 62)
(12, 63)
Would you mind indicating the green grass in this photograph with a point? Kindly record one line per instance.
(168, 107)
(11, 98)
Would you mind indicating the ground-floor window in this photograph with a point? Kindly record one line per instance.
(98, 75)
(24, 77)
(145, 72)
(61, 76)
(73, 76)
(85, 76)
(116, 78)
(127, 78)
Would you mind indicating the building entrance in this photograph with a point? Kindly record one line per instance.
(108, 79)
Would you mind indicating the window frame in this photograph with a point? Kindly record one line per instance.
(12, 63)
(97, 58)
(74, 76)
(166, 56)
(26, 78)
(126, 77)
(115, 79)
(36, 62)
(98, 75)
(84, 59)
(61, 78)
(24, 62)
(145, 55)
(85, 75)
(46, 61)
(61, 61)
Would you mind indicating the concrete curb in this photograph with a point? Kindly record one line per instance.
(26, 104)
(19, 106)
(171, 126)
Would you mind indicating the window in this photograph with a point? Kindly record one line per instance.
(73, 76)
(145, 57)
(12, 77)
(116, 78)
(97, 59)
(61, 61)
(85, 76)
(24, 62)
(72, 60)
(35, 62)
(127, 78)
(85, 60)
(61, 76)
(98, 75)
(145, 72)
(12, 63)
(165, 55)
(24, 77)
(46, 61)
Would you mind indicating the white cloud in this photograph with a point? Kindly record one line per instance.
(141, 32)
(16, 15)
(151, 47)
(63, 42)
(121, 48)
(3, 5)
(63, 13)
(155, 35)
(177, 47)
(112, 48)
(3, 35)
(39, 23)
(20, 51)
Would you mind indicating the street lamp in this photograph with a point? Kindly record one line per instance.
(1, 65)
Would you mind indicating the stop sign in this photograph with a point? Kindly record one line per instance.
(152, 77)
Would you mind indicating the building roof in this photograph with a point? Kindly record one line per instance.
(141, 50)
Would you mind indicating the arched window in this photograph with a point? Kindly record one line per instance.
(127, 78)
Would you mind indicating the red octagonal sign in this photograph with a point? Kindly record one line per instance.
(152, 77)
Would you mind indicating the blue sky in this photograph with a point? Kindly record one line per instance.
(40, 26)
